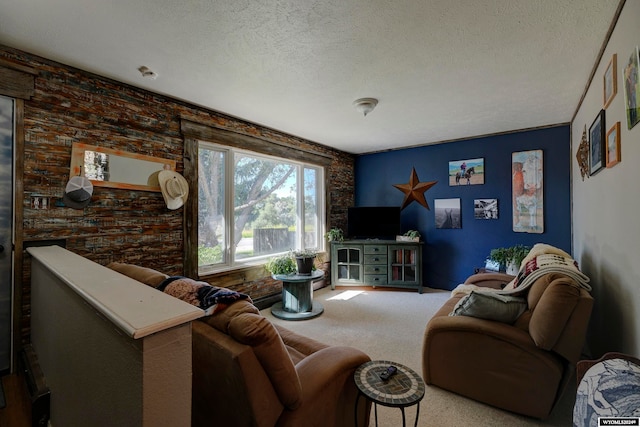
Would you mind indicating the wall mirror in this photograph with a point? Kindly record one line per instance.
(106, 167)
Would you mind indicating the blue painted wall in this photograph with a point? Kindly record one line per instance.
(451, 255)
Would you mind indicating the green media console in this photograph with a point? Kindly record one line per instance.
(375, 262)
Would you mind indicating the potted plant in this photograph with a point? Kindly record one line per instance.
(509, 258)
(305, 260)
(334, 235)
(409, 236)
(281, 265)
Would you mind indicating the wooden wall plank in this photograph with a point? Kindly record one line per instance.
(69, 105)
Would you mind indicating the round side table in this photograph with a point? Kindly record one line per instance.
(402, 390)
(297, 297)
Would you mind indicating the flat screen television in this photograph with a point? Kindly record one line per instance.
(373, 222)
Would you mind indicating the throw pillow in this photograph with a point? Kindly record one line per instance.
(211, 299)
(491, 306)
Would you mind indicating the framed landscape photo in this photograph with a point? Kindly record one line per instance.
(466, 172)
(447, 213)
(596, 144)
(610, 81)
(613, 145)
(631, 81)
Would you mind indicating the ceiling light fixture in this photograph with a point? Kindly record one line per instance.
(147, 73)
(365, 105)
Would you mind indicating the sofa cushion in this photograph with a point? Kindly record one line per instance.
(144, 275)
(258, 332)
(491, 306)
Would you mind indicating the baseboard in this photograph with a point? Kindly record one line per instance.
(268, 301)
(39, 393)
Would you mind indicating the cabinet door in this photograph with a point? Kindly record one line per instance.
(347, 264)
(404, 264)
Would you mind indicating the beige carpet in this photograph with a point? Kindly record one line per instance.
(389, 324)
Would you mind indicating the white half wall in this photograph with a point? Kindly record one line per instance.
(606, 207)
(114, 352)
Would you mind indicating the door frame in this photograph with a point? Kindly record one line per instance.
(18, 216)
(18, 82)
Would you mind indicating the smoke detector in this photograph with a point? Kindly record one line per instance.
(147, 73)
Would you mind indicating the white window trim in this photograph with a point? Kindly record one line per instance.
(233, 264)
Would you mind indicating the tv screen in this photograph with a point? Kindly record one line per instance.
(373, 222)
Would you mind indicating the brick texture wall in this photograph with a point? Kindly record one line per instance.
(71, 105)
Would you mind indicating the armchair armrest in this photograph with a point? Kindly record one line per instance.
(489, 329)
(328, 388)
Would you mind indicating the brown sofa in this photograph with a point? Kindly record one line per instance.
(521, 366)
(250, 372)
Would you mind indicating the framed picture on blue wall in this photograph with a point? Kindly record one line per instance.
(466, 172)
(528, 191)
(447, 213)
(485, 208)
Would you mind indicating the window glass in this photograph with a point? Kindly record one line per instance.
(212, 236)
(265, 206)
(253, 206)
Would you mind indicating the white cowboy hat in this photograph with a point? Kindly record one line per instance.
(175, 189)
(78, 192)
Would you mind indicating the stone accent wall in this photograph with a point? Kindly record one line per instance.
(71, 105)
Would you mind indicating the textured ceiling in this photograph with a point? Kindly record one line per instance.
(442, 69)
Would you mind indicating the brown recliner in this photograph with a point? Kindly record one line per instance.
(522, 367)
(250, 372)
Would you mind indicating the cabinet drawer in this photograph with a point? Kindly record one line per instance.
(375, 249)
(375, 269)
(375, 259)
(375, 279)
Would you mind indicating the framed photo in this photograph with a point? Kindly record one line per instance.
(631, 79)
(596, 144)
(485, 208)
(527, 191)
(466, 172)
(610, 80)
(447, 213)
(613, 145)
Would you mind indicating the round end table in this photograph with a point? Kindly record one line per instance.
(297, 297)
(406, 388)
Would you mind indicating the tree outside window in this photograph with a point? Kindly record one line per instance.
(252, 206)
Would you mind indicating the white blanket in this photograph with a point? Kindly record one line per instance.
(541, 260)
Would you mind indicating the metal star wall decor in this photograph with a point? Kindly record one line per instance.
(414, 190)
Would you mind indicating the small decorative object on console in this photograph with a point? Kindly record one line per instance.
(334, 235)
(409, 236)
